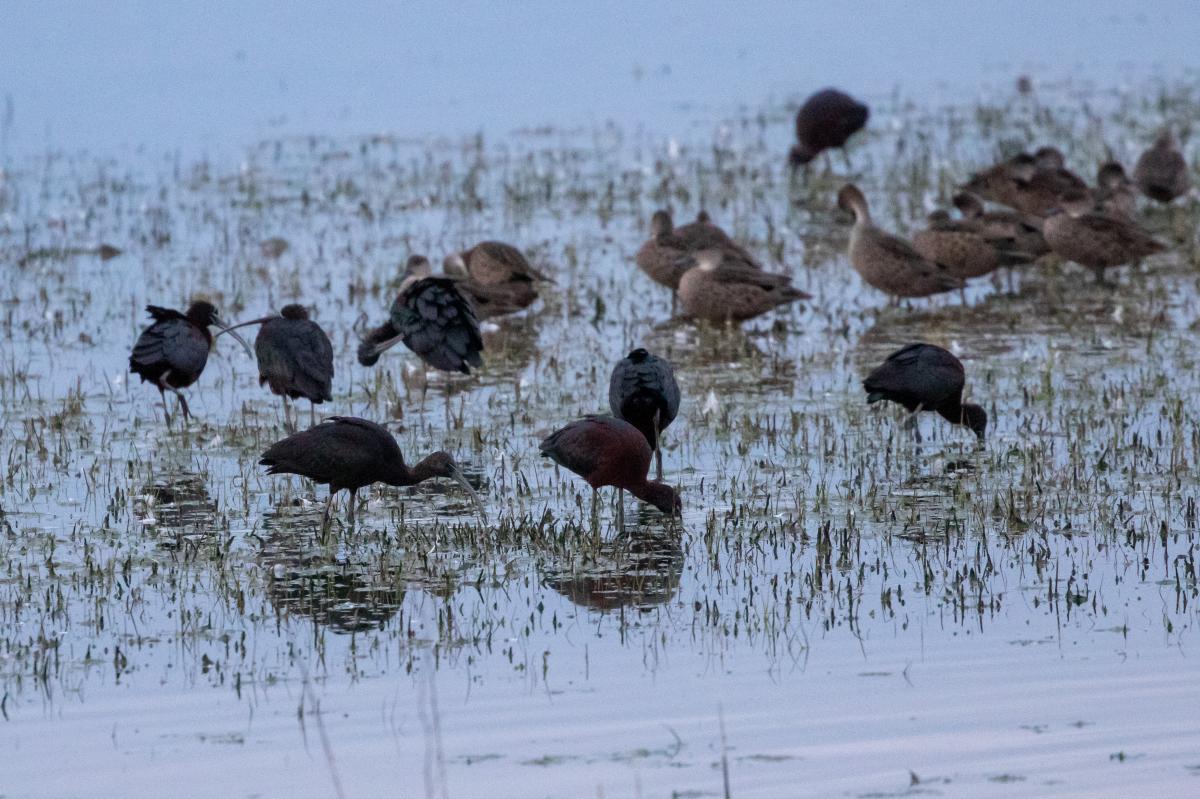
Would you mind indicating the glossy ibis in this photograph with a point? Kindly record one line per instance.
(496, 277)
(721, 285)
(606, 451)
(826, 120)
(295, 357)
(1096, 239)
(643, 392)
(433, 319)
(1115, 192)
(173, 351)
(923, 377)
(348, 453)
(1161, 172)
(886, 262)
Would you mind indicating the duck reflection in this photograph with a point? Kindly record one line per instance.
(311, 578)
(638, 569)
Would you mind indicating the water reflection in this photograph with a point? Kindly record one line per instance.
(177, 501)
(312, 577)
(638, 569)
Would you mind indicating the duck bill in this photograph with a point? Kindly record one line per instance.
(231, 330)
(475, 499)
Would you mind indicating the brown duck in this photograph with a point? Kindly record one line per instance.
(720, 285)
(887, 262)
(1032, 184)
(1114, 192)
(1162, 173)
(965, 252)
(496, 277)
(1024, 230)
(1096, 239)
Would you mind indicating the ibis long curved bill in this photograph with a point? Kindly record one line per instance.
(224, 327)
(461, 479)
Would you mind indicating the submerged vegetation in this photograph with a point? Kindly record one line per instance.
(140, 557)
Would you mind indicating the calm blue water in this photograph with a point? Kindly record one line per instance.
(210, 78)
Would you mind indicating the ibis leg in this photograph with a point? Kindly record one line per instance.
(312, 414)
(166, 411)
(657, 446)
(353, 502)
(595, 510)
(187, 414)
(621, 510)
(328, 508)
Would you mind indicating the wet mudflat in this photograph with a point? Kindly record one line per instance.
(842, 611)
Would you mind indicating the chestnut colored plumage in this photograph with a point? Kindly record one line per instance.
(496, 277)
(826, 120)
(643, 392)
(348, 453)
(1096, 239)
(887, 262)
(1161, 172)
(606, 451)
(433, 319)
(173, 351)
(924, 377)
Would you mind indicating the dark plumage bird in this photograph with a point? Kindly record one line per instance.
(433, 319)
(348, 453)
(496, 277)
(606, 451)
(295, 357)
(1161, 173)
(923, 377)
(643, 392)
(826, 120)
(173, 351)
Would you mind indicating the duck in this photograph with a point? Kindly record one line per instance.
(1025, 230)
(1114, 192)
(961, 247)
(1032, 184)
(496, 277)
(889, 263)
(720, 285)
(1161, 173)
(1096, 239)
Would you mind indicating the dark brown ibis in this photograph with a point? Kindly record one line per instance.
(347, 453)
(295, 357)
(825, 121)
(433, 319)
(607, 451)
(173, 351)
(925, 377)
(643, 392)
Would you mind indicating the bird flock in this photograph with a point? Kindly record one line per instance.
(1044, 208)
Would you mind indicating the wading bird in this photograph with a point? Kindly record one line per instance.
(964, 249)
(1161, 172)
(1114, 193)
(1096, 239)
(433, 319)
(295, 357)
(348, 453)
(643, 392)
(887, 262)
(606, 451)
(923, 377)
(172, 352)
(826, 120)
(664, 255)
(496, 277)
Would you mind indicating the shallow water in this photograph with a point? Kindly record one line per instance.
(843, 611)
